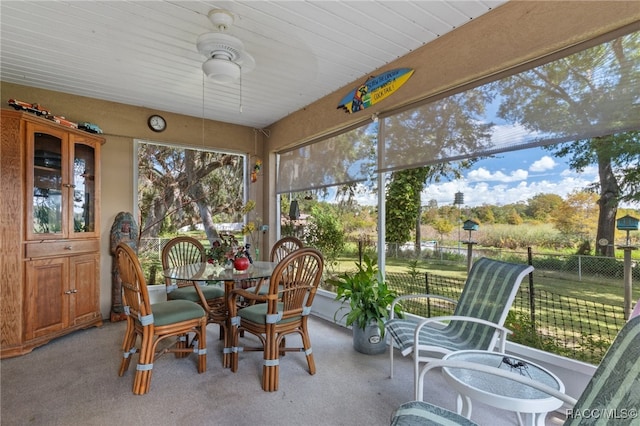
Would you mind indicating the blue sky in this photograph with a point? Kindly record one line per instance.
(512, 177)
(508, 178)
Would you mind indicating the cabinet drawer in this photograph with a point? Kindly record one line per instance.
(61, 248)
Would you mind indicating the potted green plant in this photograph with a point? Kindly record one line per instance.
(369, 299)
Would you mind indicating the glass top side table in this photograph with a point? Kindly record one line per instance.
(500, 392)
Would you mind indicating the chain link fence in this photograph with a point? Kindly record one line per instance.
(574, 267)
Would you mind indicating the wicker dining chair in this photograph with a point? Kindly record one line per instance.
(284, 310)
(279, 251)
(155, 323)
(186, 250)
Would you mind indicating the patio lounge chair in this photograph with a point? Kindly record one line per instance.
(610, 396)
(476, 323)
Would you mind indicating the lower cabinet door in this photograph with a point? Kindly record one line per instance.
(46, 297)
(60, 293)
(84, 298)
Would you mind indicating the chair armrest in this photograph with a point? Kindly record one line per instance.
(440, 363)
(503, 332)
(418, 296)
(240, 292)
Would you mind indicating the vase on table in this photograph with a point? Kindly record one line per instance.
(241, 263)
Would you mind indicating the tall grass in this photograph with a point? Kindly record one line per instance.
(522, 236)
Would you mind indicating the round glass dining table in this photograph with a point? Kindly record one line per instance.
(232, 278)
(205, 271)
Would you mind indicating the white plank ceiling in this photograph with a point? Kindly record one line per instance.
(143, 53)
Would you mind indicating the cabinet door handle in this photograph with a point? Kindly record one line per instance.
(75, 290)
(68, 292)
(68, 247)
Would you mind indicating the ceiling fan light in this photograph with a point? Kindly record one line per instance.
(221, 70)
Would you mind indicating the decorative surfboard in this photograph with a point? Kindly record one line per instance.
(375, 89)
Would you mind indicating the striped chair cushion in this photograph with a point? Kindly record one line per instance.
(488, 294)
(615, 386)
(451, 338)
(418, 413)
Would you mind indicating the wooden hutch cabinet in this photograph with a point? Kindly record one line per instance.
(50, 231)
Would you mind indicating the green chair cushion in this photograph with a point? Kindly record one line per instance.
(258, 313)
(189, 293)
(173, 311)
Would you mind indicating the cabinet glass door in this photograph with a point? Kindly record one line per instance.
(84, 188)
(47, 184)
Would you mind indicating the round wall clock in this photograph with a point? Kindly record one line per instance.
(157, 123)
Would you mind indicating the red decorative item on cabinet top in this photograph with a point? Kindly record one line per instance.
(241, 263)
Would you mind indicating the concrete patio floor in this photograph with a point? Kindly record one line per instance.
(73, 381)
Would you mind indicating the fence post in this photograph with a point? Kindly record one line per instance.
(469, 254)
(426, 288)
(532, 303)
(627, 280)
(579, 268)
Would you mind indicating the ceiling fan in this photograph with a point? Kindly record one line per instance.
(227, 59)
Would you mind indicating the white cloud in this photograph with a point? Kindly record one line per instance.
(505, 186)
(589, 173)
(543, 164)
(483, 175)
(512, 134)
(476, 194)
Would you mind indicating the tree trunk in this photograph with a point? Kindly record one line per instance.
(207, 221)
(608, 203)
(197, 192)
(157, 213)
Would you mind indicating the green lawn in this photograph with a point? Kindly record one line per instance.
(597, 289)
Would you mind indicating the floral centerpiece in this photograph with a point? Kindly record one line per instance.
(227, 250)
